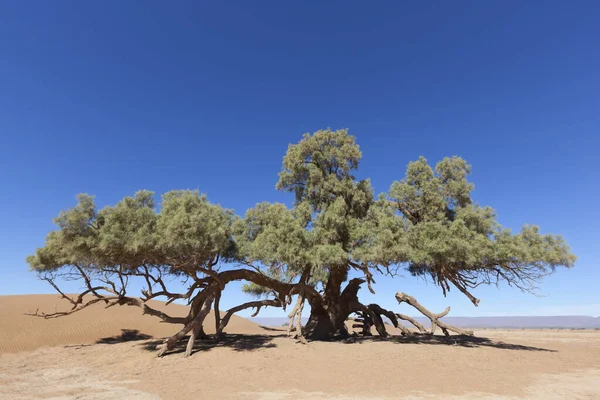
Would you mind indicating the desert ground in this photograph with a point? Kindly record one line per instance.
(108, 354)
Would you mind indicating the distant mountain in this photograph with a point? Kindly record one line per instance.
(562, 321)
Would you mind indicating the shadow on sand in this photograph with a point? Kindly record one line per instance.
(239, 342)
(127, 335)
(273, 328)
(455, 340)
(233, 341)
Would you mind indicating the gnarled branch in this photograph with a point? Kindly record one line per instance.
(433, 317)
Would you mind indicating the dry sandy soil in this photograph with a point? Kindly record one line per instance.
(87, 356)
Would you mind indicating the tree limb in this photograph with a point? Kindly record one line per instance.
(434, 318)
(258, 304)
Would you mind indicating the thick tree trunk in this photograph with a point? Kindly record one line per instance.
(327, 317)
(319, 325)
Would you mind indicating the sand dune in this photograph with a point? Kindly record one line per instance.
(20, 332)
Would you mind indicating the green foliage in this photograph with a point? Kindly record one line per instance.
(319, 168)
(126, 233)
(190, 226)
(270, 233)
(326, 224)
(188, 231)
(381, 237)
(74, 241)
(454, 240)
(427, 222)
(273, 236)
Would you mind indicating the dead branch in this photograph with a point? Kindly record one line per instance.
(112, 296)
(434, 318)
(420, 327)
(69, 312)
(368, 274)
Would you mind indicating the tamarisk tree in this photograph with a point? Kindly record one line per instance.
(426, 223)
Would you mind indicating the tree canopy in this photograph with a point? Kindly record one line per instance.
(427, 223)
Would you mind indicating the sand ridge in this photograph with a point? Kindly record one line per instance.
(20, 332)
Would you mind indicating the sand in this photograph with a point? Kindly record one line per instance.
(20, 332)
(264, 364)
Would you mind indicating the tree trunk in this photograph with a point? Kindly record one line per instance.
(195, 326)
(328, 316)
(217, 315)
(319, 325)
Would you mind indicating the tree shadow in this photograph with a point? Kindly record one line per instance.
(235, 342)
(127, 335)
(272, 328)
(455, 340)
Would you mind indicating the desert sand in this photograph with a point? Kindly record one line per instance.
(108, 354)
(20, 332)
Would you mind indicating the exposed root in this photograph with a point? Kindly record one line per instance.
(364, 323)
(371, 315)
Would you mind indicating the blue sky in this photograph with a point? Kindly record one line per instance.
(111, 97)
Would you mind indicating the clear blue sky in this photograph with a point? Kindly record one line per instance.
(111, 97)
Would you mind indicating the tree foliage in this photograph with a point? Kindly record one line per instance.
(455, 241)
(426, 223)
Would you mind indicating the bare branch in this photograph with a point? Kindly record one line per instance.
(368, 275)
(69, 312)
(434, 318)
(258, 304)
(412, 321)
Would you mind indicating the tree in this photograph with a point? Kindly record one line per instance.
(426, 223)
